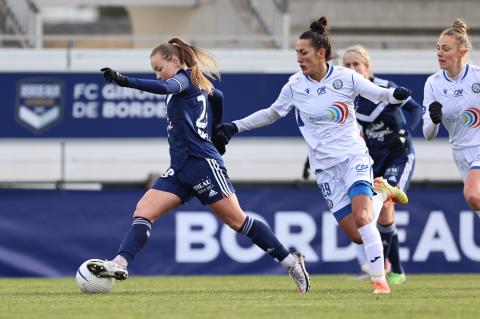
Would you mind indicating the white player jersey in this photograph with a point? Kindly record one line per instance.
(325, 112)
(460, 99)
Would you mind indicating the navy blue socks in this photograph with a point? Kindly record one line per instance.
(394, 255)
(263, 237)
(386, 234)
(258, 232)
(135, 239)
(389, 236)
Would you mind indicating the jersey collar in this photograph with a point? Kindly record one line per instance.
(460, 76)
(329, 72)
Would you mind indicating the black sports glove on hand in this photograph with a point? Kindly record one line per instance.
(435, 110)
(398, 141)
(306, 170)
(223, 132)
(401, 93)
(218, 145)
(112, 75)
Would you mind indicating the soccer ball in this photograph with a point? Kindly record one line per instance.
(91, 284)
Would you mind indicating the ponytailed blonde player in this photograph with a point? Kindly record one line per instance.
(452, 97)
(322, 96)
(196, 166)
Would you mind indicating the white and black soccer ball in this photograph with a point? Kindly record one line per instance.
(88, 283)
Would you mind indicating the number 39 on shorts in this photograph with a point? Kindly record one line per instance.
(325, 188)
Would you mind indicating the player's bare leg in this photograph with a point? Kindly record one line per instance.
(151, 206)
(471, 190)
(230, 212)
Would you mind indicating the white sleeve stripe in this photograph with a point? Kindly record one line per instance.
(407, 172)
(181, 88)
(376, 112)
(405, 101)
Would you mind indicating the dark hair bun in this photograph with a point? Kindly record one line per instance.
(319, 26)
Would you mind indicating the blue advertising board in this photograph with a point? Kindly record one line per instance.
(82, 105)
(50, 233)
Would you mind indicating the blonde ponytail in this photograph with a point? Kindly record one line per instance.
(201, 64)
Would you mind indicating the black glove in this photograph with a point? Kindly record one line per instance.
(435, 110)
(306, 170)
(223, 132)
(218, 145)
(112, 75)
(398, 141)
(401, 93)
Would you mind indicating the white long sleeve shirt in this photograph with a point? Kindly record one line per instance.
(324, 112)
(460, 98)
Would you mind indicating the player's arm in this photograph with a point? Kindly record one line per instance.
(225, 131)
(432, 115)
(171, 86)
(414, 112)
(258, 119)
(430, 129)
(375, 93)
(280, 108)
(216, 102)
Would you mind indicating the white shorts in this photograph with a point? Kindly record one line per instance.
(466, 159)
(335, 182)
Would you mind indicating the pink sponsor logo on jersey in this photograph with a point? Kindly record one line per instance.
(471, 117)
(339, 112)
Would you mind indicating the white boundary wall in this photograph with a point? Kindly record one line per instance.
(132, 160)
(238, 61)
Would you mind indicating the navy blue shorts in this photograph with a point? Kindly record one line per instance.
(204, 178)
(397, 170)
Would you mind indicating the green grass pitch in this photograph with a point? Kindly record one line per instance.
(423, 296)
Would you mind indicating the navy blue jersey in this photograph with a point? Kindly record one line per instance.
(382, 122)
(188, 110)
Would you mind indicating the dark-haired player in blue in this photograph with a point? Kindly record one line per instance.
(387, 131)
(197, 168)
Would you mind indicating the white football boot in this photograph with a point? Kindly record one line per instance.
(107, 269)
(299, 274)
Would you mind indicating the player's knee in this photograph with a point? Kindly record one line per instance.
(233, 222)
(362, 218)
(385, 218)
(353, 234)
(356, 238)
(473, 199)
(142, 210)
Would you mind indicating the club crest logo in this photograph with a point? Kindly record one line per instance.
(476, 87)
(329, 204)
(39, 103)
(337, 84)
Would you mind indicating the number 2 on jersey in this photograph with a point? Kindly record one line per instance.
(202, 120)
